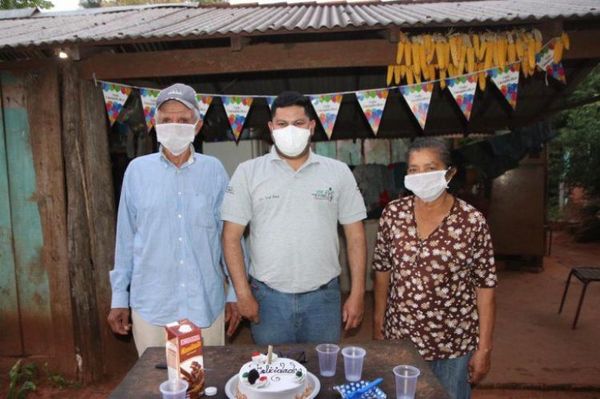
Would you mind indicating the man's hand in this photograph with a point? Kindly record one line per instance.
(353, 311)
(248, 307)
(118, 319)
(232, 317)
(479, 365)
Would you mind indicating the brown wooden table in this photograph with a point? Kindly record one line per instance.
(222, 362)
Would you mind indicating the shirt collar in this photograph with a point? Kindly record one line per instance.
(191, 159)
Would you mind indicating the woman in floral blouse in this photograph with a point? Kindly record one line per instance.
(435, 273)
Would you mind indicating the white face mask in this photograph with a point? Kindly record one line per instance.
(176, 137)
(291, 140)
(427, 186)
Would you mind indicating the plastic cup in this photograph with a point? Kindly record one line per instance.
(353, 362)
(327, 359)
(406, 381)
(174, 389)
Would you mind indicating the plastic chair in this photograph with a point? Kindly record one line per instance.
(586, 275)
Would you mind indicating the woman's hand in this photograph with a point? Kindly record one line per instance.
(479, 365)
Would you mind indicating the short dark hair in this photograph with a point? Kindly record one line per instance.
(431, 143)
(290, 99)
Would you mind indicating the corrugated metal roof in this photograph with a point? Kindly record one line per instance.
(18, 13)
(156, 22)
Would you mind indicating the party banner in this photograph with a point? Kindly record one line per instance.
(463, 90)
(148, 97)
(327, 106)
(545, 58)
(557, 71)
(114, 99)
(372, 103)
(418, 97)
(270, 100)
(237, 109)
(507, 80)
(204, 102)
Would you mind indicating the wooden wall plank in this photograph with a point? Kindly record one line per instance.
(44, 118)
(86, 323)
(10, 339)
(119, 353)
(32, 277)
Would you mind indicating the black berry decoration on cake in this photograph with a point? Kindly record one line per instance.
(252, 376)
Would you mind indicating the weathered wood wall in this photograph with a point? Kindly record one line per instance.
(36, 306)
(57, 224)
(90, 225)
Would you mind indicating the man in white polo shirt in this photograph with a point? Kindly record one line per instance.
(293, 200)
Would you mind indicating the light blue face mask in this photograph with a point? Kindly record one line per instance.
(427, 186)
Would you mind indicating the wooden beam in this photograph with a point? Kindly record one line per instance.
(584, 45)
(45, 121)
(83, 287)
(256, 58)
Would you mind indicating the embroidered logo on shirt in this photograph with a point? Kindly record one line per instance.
(323, 195)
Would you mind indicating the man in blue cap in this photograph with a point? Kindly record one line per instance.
(168, 252)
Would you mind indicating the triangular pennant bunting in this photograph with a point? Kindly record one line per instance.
(148, 97)
(237, 109)
(545, 61)
(327, 106)
(418, 97)
(203, 102)
(557, 71)
(463, 90)
(372, 103)
(270, 100)
(114, 99)
(507, 81)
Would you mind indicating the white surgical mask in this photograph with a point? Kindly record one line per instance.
(427, 186)
(176, 137)
(291, 140)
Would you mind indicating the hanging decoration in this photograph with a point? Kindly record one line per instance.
(418, 97)
(148, 97)
(115, 97)
(455, 61)
(204, 102)
(237, 109)
(463, 89)
(327, 106)
(372, 103)
(507, 81)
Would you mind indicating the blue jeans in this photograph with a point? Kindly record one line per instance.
(454, 375)
(313, 316)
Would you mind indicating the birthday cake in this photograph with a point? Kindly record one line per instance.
(280, 378)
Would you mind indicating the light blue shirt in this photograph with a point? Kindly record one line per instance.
(168, 246)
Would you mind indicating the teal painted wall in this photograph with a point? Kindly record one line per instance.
(31, 276)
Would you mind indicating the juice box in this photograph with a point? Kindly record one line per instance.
(184, 355)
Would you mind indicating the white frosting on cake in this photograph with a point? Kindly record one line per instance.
(282, 379)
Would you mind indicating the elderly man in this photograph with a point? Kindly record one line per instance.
(168, 253)
(293, 200)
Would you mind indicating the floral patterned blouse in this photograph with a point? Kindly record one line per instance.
(432, 298)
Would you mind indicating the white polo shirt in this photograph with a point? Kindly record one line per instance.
(293, 217)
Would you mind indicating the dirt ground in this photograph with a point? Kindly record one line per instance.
(536, 353)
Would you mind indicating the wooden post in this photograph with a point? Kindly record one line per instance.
(44, 118)
(118, 353)
(83, 289)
